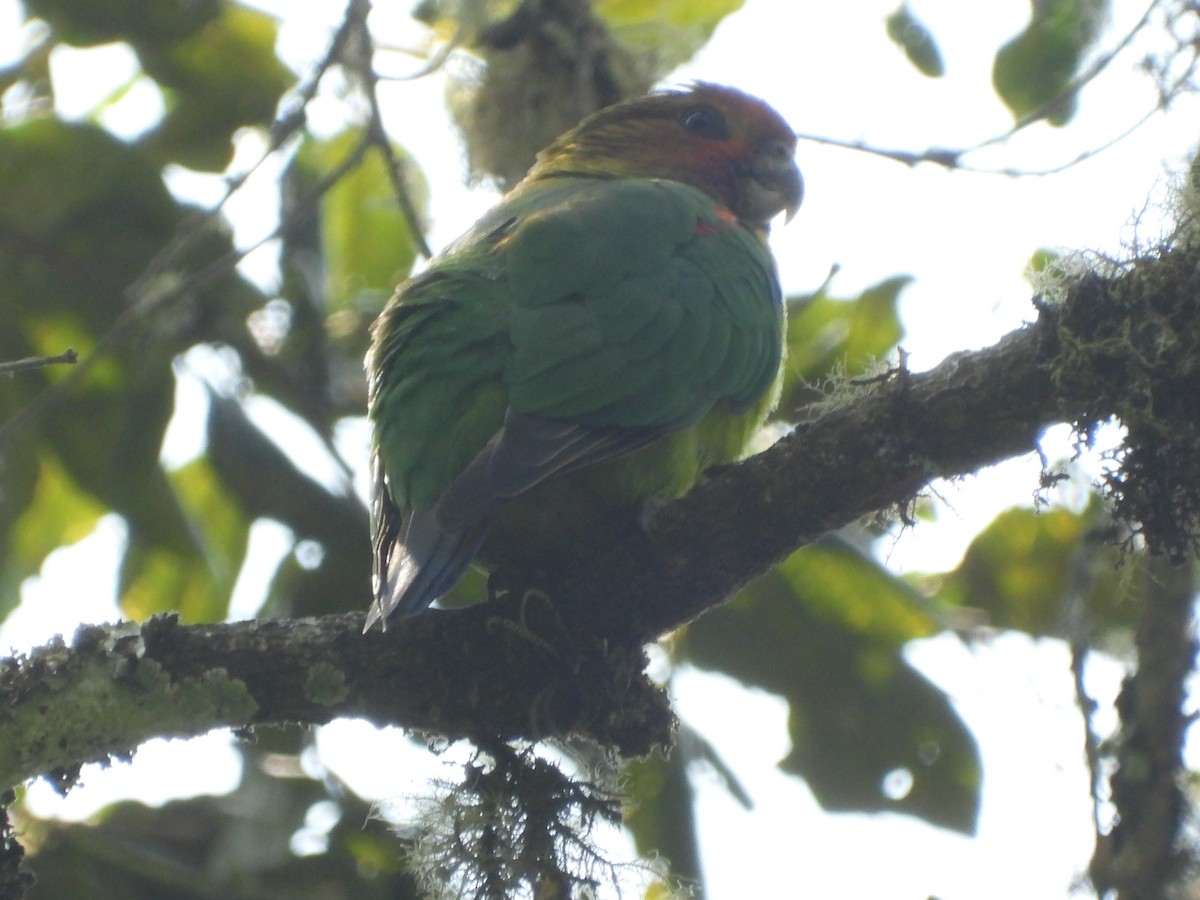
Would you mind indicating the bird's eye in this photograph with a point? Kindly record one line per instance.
(706, 122)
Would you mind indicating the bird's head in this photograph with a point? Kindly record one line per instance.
(732, 146)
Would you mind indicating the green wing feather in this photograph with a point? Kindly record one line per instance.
(580, 321)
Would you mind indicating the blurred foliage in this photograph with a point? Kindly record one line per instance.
(96, 254)
(545, 64)
(831, 338)
(1033, 72)
(87, 24)
(1047, 573)
(236, 846)
(215, 80)
(907, 32)
(826, 631)
(97, 215)
(197, 586)
(366, 243)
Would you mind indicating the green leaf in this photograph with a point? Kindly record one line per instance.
(235, 846)
(891, 743)
(58, 515)
(83, 215)
(154, 580)
(1043, 261)
(1032, 73)
(89, 22)
(90, 214)
(836, 581)
(41, 509)
(107, 437)
(1022, 569)
(87, 214)
(221, 78)
(268, 484)
(869, 733)
(706, 13)
(367, 243)
(197, 585)
(664, 33)
(828, 335)
(911, 36)
(661, 817)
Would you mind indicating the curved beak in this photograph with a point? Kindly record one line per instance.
(771, 183)
(791, 186)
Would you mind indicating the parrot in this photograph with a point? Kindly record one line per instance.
(611, 328)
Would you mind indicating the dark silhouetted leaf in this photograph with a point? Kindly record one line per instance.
(907, 31)
(335, 570)
(198, 584)
(869, 732)
(664, 33)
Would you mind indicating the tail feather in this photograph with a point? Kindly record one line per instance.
(425, 562)
(420, 554)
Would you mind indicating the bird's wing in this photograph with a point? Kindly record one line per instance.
(636, 307)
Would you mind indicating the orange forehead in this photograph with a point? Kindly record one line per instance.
(749, 117)
(647, 138)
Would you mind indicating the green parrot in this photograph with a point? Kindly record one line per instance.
(611, 328)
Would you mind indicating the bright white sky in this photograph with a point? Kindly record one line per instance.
(966, 237)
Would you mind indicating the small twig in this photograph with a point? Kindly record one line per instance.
(898, 371)
(1087, 704)
(1076, 629)
(951, 158)
(432, 62)
(362, 63)
(67, 357)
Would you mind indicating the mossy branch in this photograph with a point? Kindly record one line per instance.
(1122, 343)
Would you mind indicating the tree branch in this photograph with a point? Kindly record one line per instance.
(1147, 852)
(29, 363)
(520, 666)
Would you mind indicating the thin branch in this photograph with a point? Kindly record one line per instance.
(432, 62)
(67, 357)
(1077, 625)
(951, 158)
(1080, 650)
(363, 65)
